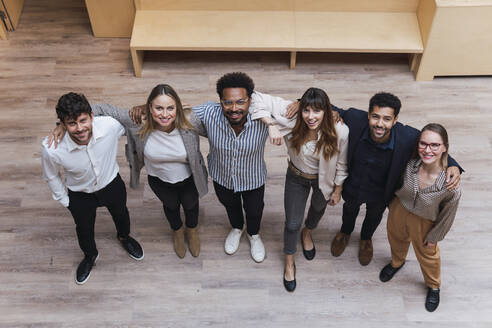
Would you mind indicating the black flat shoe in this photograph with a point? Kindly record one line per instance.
(388, 272)
(84, 269)
(432, 299)
(308, 254)
(132, 247)
(290, 286)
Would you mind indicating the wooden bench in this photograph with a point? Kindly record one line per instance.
(389, 26)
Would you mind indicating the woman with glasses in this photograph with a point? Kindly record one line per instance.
(423, 211)
(317, 148)
(169, 148)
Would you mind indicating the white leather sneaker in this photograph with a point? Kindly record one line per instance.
(257, 248)
(231, 244)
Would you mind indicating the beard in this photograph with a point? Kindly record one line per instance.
(236, 122)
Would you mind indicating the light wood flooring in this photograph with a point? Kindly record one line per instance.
(53, 52)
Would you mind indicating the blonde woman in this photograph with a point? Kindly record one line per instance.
(168, 146)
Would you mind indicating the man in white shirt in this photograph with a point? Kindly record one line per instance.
(87, 154)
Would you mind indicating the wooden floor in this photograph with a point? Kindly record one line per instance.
(53, 52)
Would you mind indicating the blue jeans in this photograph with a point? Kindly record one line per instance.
(296, 193)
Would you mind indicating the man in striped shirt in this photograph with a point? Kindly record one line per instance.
(236, 158)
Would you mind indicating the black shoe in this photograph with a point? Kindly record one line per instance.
(432, 299)
(290, 286)
(388, 272)
(132, 247)
(308, 254)
(84, 269)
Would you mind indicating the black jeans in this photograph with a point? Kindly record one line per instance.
(252, 201)
(83, 208)
(172, 195)
(374, 214)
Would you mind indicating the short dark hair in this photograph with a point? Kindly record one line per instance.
(235, 80)
(385, 99)
(71, 106)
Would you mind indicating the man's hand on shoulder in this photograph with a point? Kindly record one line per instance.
(453, 177)
(137, 113)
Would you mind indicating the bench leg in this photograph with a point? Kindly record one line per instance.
(137, 58)
(293, 59)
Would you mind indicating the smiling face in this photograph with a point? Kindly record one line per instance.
(80, 129)
(431, 147)
(313, 117)
(163, 111)
(235, 105)
(381, 120)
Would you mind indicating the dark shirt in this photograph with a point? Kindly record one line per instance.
(369, 169)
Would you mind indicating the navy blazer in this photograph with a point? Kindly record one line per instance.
(406, 138)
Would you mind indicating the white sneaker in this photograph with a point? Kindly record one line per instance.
(257, 248)
(231, 244)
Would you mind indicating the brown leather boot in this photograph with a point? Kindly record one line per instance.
(179, 242)
(193, 241)
(365, 252)
(339, 243)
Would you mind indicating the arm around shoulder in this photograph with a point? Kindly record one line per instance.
(52, 175)
(119, 114)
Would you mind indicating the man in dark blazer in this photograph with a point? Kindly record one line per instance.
(379, 149)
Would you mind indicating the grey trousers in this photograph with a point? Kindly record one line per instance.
(296, 193)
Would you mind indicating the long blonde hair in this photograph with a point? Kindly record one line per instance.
(316, 98)
(181, 122)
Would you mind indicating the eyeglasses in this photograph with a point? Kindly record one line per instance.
(433, 146)
(230, 103)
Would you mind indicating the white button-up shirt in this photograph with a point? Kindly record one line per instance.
(87, 168)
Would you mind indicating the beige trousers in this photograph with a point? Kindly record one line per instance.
(405, 227)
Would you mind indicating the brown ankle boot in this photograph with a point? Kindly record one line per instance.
(339, 243)
(365, 252)
(179, 242)
(193, 241)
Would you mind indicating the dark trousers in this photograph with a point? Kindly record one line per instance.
(172, 195)
(252, 202)
(83, 208)
(296, 193)
(374, 214)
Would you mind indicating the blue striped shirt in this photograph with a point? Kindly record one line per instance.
(235, 162)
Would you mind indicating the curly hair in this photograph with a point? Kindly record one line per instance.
(235, 80)
(385, 99)
(327, 142)
(72, 105)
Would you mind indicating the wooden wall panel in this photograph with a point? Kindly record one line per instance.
(425, 15)
(14, 8)
(111, 18)
(458, 44)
